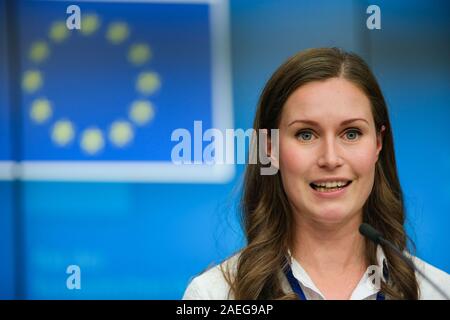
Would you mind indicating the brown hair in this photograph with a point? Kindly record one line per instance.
(266, 213)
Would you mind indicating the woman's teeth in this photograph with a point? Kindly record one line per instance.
(330, 186)
(328, 189)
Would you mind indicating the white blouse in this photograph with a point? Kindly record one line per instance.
(211, 285)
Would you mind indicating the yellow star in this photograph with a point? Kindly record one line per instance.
(32, 81)
(39, 51)
(148, 83)
(117, 32)
(139, 54)
(41, 110)
(121, 133)
(58, 32)
(63, 132)
(89, 24)
(141, 112)
(92, 141)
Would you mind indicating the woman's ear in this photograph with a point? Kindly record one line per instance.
(380, 138)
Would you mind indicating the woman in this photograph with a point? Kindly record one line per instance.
(337, 169)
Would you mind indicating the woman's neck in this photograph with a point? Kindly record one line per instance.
(329, 245)
(330, 252)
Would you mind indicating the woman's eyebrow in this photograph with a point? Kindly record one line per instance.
(314, 123)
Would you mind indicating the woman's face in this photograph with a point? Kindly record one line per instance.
(322, 142)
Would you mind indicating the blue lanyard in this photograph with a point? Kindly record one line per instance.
(295, 285)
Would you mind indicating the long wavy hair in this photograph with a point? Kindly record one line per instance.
(267, 218)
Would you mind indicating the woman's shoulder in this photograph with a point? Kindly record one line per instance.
(212, 284)
(439, 277)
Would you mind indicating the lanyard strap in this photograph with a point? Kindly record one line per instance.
(295, 285)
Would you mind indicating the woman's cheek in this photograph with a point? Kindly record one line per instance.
(362, 160)
(293, 159)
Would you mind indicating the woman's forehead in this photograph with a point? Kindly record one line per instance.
(336, 98)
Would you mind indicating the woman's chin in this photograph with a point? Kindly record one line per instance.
(332, 216)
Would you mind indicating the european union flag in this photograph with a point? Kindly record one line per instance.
(101, 102)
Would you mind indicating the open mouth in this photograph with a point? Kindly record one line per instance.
(323, 188)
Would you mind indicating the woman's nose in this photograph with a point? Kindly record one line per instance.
(329, 154)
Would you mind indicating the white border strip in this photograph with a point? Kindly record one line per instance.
(125, 171)
(162, 172)
(7, 170)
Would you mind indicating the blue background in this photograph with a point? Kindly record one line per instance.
(147, 240)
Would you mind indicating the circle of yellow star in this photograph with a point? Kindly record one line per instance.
(92, 139)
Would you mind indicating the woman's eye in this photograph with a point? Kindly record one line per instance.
(304, 135)
(352, 134)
